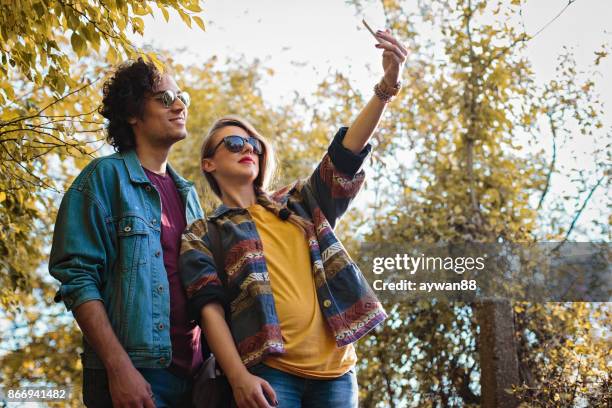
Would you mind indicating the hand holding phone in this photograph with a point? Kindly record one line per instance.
(370, 30)
(394, 56)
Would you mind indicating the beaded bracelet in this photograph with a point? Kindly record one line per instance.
(384, 92)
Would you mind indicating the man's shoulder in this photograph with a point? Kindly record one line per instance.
(111, 162)
(102, 169)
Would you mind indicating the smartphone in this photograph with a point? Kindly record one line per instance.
(370, 30)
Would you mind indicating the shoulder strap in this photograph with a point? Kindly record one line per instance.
(217, 249)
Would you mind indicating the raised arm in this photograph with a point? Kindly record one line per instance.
(394, 57)
(337, 179)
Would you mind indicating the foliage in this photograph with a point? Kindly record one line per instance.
(38, 35)
(459, 159)
(41, 346)
(41, 138)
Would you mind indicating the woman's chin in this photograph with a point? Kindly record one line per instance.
(245, 176)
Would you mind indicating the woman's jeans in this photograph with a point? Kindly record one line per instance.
(297, 392)
(169, 390)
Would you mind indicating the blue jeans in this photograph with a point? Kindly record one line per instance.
(298, 392)
(169, 390)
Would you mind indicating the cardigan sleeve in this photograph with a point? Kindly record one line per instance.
(198, 271)
(338, 178)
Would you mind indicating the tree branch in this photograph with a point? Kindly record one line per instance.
(29, 172)
(469, 137)
(57, 100)
(584, 204)
(553, 161)
(115, 36)
(569, 3)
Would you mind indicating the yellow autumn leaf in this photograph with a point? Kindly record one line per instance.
(199, 22)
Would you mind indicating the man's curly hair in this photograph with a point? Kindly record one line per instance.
(123, 98)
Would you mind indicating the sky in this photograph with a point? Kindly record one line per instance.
(306, 41)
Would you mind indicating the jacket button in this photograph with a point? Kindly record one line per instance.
(327, 303)
(148, 188)
(158, 253)
(153, 221)
(161, 326)
(160, 288)
(162, 360)
(127, 229)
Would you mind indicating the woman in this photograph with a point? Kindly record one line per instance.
(294, 300)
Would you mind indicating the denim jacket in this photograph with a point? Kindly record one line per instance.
(106, 246)
(347, 302)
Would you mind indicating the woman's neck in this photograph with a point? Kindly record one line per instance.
(237, 195)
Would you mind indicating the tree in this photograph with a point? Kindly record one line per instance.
(452, 170)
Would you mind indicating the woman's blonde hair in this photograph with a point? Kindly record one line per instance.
(267, 167)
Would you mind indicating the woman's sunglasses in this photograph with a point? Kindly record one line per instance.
(235, 144)
(168, 97)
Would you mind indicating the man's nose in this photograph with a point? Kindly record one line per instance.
(178, 105)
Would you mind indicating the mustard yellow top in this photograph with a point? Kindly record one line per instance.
(310, 345)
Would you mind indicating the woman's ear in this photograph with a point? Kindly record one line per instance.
(132, 121)
(208, 166)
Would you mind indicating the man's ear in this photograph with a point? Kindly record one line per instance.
(208, 166)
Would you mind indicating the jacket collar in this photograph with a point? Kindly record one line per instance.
(180, 182)
(263, 198)
(220, 210)
(137, 174)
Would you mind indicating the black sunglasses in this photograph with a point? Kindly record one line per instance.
(168, 97)
(235, 144)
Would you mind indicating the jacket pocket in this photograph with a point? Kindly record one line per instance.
(133, 235)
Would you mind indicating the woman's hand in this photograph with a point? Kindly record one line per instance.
(394, 57)
(250, 391)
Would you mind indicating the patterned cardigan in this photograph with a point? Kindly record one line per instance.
(349, 305)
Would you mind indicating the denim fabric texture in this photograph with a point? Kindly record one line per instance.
(106, 246)
(169, 390)
(297, 392)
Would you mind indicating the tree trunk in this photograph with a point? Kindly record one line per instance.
(498, 356)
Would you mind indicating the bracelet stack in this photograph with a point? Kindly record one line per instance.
(385, 92)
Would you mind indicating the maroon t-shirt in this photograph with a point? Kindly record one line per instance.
(184, 335)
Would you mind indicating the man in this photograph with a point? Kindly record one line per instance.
(116, 244)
